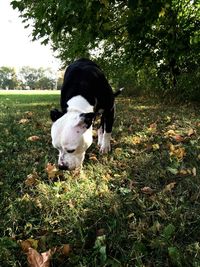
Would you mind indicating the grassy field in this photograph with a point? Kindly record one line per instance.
(137, 206)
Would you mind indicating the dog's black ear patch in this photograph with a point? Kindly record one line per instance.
(87, 118)
(55, 114)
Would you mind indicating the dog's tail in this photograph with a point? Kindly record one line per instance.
(118, 92)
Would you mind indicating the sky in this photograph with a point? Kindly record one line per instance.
(16, 47)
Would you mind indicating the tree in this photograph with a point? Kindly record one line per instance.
(28, 77)
(45, 83)
(163, 34)
(8, 78)
(37, 78)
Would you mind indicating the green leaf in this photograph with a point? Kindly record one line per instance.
(175, 256)
(169, 231)
(172, 170)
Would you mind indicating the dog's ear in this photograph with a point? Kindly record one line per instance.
(86, 119)
(55, 114)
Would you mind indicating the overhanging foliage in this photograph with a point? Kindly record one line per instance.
(158, 34)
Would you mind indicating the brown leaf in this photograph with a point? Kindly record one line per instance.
(51, 170)
(194, 171)
(147, 190)
(148, 147)
(66, 249)
(118, 151)
(25, 245)
(169, 187)
(136, 140)
(183, 172)
(153, 126)
(28, 243)
(136, 120)
(35, 259)
(106, 177)
(29, 114)
(31, 179)
(170, 133)
(23, 121)
(178, 138)
(93, 157)
(191, 132)
(33, 138)
(177, 151)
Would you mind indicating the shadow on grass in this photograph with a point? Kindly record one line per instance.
(126, 209)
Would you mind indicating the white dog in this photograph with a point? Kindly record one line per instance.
(85, 93)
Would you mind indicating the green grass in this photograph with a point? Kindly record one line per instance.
(137, 206)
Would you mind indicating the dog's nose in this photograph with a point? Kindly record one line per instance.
(63, 167)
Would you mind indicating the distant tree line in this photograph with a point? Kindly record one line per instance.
(29, 78)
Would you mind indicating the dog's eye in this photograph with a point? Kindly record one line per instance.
(70, 150)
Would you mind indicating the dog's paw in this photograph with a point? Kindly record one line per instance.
(105, 149)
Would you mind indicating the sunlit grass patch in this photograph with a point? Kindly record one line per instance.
(136, 206)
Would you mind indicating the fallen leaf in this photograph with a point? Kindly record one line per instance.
(153, 125)
(118, 150)
(194, 171)
(23, 121)
(172, 170)
(28, 243)
(191, 132)
(178, 152)
(66, 249)
(136, 120)
(31, 179)
(29, 114)
(183, 172)
(93, 157)
(106, 177)
(169, 187)
(35, 259)
(155, 146)
(148, 147)
(170, 133)
(25, 245)
(178, 138)
(136, 140)
(51, 170)
(147, 190)
(131, 215)
(33, 138)
(168, 119)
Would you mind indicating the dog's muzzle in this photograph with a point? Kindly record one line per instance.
(63, 167)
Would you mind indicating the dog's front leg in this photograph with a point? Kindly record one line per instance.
(104, 132)
(100, 136)
(105, 146)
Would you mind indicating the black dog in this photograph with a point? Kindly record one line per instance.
(85, 92)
